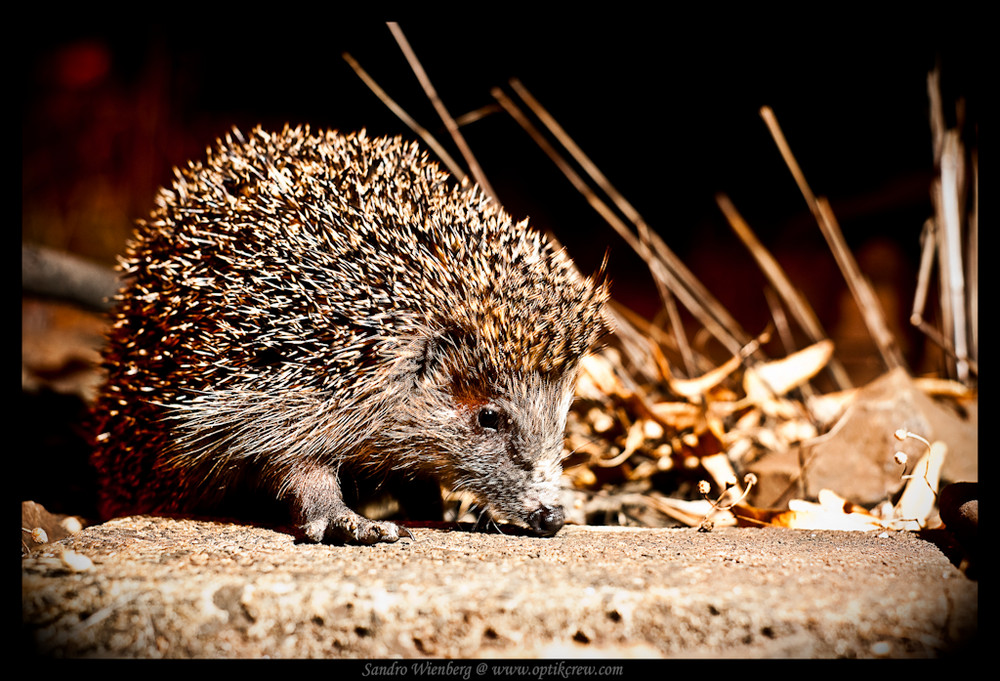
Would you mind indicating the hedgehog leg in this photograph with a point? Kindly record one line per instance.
(322, 515)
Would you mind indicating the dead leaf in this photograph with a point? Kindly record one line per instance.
(833, 512)
(692, 512)
(677, 415)
(917, 502)
(720, 469)
(826, 409)
(819, 519)
(694, 387)
(944, 387)
(597, 377)
(768, 380)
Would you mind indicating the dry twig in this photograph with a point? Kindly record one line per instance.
(669, 272)
(858, 284)
(449, 122)
(797, 305)
(401, 113)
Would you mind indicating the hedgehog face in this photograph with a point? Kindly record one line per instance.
(515, 442)
(498, 436)
(503, 444)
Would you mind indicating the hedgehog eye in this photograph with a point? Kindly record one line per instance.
(489, 418)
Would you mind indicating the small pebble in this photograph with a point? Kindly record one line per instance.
(881, 648)
(77, 562)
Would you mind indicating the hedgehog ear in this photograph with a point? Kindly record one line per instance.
(435, 348)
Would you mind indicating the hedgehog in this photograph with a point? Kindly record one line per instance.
(302, 308)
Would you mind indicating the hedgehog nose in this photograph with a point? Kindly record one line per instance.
(547, 520)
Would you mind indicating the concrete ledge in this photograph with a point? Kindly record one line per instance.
(158, 587)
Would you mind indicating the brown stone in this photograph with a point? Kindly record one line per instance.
(855, 459)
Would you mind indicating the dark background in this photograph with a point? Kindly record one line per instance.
(666, 105)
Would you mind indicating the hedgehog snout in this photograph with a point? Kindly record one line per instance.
(546, 520)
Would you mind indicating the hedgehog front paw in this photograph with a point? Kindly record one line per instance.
(350, 527)
(322, 515)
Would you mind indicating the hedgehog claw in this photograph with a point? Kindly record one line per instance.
(356, 529)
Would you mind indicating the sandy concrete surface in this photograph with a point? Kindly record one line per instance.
(155, 587)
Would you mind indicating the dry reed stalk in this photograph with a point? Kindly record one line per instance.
(661, 276)
(797, 304)
(958, 283)
(669, 273)
(674, 316)
(646, 235)
(860, 288)
(973, 259)
(927, 250)
(858, 284)
(401, 113)
(947, 193)
(937, 144)
(785, 333)
(641, 327)
(581, 158)
(477, 114)
(449, 122)
(781, 324)
(635, 334)
(929, 242)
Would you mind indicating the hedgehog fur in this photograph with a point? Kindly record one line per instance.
(302, 305)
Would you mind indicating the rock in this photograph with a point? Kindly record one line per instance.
(855, 459)
(959, 504)
(180, 588)
(39, 527)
